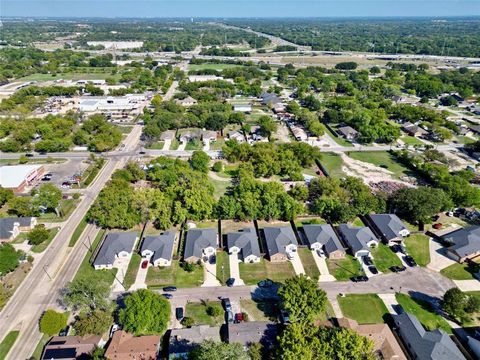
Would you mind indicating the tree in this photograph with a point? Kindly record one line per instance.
(217, 166)
(212, 350)
(86, 294)
(188, 321)
(214, 311)
(9, 258)
(52, 322)
(145, 312)
(267, 126)
(199, 161)
(153, 205)
(302, 298)
(96, 322)
(21, 206)
(48, 196)
(374, 70)
(460, 305)
(347, 65)
(255, 351)
(38, 234)
(5, 195)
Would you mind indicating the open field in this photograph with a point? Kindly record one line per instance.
(72, 76)
(218, 67)
(364, 308)
(382, 159)
(333, 164)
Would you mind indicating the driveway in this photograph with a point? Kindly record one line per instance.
(210, 275)
(206, 146)
(182, 146)
(235, 269)
(401, 256)
(141, 276)
(322, 267)
(390, 302)
(167, 144)
(122, 266)
(438, 257)
(297, 264)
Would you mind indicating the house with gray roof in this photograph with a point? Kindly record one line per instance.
(167, 135)
(323, 238)
(159, 249)
(244, 243)
(281, 242)
(270, 99)
(252, 332)
(200, 243)
(115, 246)
(348, 132)
(11, 227)
(422, 344)
(389, 227)
(182, 341)
(465, 243)
(358, 239)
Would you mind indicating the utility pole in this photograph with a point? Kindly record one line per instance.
(45, 269)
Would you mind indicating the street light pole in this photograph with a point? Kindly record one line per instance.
(45, 269)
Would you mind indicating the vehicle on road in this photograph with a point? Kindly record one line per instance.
(144, 264)
(169, 288)
(167, 296)
(410, 261)
(29, 155)
(229, 317)
(45, 178)
(397, 269)
(265, 283)
(230, 282)
(179, 313)
(142, 152)
(360, 278)
(367, 260)
(226, 304)
(373, 270)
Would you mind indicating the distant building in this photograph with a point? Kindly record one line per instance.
(127, 103)
(125, 346)
(390, 228)
(323, 238)
(182, 341)
(359, 239)
(70, 347)
(465, 243)
(414, 130)
(236, 135)
(11, 227)
(187, 102)
(208, 135)
(281, 241)
(244, 243)
(244, 108)
(115, 246)
(270, 99)
(200, 243)
(168, 135)
(158, 249)
(188, 135)
(19, 177)
(348, 133)
(200, 78)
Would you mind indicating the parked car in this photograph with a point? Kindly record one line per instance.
(213, 260)
(373, 269)
(169, 288)
(238, 317)
(229, 317)
(360, 278)
(45, 178)
(29, 155)
(396, 248)
(437, 226)
(144, 264)
(398, 269)
(284, 317)
(230, 282)
(179, 313)
(265, 283)
(64, 332)
(226, 304)
(167, 296)
(114, 328)
(410, 261)
(367, 260)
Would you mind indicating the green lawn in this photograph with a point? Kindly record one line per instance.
(309, 221)
(418, 247)
(458, 272)
(132, 271)
(222, 260)
(41, 247)
(339, 140)
(47, 160)
(344, 269)
(198, 312)
(70, 76)
(37, 354)
(384, 258)
(78, 231)
(259, 311)
(333, 164)
(156, 145)
(91, 173)
(411, 140)
(311, 268)
(382, 159)
(7, 343)
(424, 312)
(219, 187)
(251, 274)
(194, 145)
(174, 275)
(218, 67)
(175, 144)
(364, 308)
(358, 222)
(66, 208)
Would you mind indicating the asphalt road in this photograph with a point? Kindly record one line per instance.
(56, 267)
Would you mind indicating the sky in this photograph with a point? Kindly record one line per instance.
(238, 8)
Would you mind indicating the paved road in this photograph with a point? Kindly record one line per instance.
(57, 266)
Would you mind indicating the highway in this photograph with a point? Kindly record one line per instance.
(57, 266)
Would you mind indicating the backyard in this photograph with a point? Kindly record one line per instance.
(174, 275)
(278, 271)
(364, 308)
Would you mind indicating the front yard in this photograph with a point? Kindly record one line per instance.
(309, 264)
(458, 272)
(174, 275)
(344, 269)
(384, 258)
(132, 271)
(198, 312)
(418, 247)
(41, 247)
(364, 308)
(251, 274)
(222, 262)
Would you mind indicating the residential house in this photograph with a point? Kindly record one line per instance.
(168, 135)
(358, 239)
(70, 347)
(200, 243)
(422, 344)
(208, 135)
(187, 102)
(115, 246)
(252, 332)
(414, 130)
(298, 133)
(10, 228)
(270, 99)
(244, 108)
(465, 243)
(159, 249)
(474, 128)
(385, 344)
(281, 242)
(125, 346)
(348, 133)
(389, 227)
(236, 135)
(182, 341)
(188, 135)
(245, 243)
(324, 239)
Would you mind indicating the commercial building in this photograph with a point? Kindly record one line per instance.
(19, 177)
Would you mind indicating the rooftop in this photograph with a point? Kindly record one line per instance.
(466, 241)
(197, 240)
(113, 244)
(12, 176)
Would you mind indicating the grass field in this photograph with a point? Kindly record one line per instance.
(458, 272)
(424, 312)
(418, 247)
(251, 274)
(333, 164)
(132, 271)
(7, 343)
(357, 222)
(344, 269)
(37, 354)
(198, 312)
(364, 308)
(175, 144)
(156, 145)
(311, 268)
(219, 187)
(41, 247)
(381, 159)
(222, 260)
(411, 140)
(174, 275)
(194, 145)
(384, 258)
(259, 311)
(47, 160)
(71, 76)
(78, 231)
(218, 67)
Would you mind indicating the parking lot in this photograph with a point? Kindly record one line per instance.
(62, 172)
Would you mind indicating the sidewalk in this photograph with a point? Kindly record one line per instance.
(468, 285)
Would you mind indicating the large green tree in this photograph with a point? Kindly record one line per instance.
(96, 322)
(460, 305)
(199, 161)
(86, 294)
(48, 196)
(52, 322)
(212, 350)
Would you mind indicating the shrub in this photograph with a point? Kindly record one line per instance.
(52, 322)
(38, 234)
(188, 322)
(218, 166)
(214, 311)
(76, 196)
(188, 267)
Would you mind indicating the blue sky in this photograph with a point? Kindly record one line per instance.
(238, 8)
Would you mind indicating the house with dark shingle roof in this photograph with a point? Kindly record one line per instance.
(70, 347)
(270, 99)
(115, 246)
(323, 238)
(348, 132)
(182, 341)
(200, 243)
(389, 227)
(466, 243)
(422, 344)
(245, 243)
(252, 332)
(159, 249)
(359, 239)
(11, 227)
(280, 241)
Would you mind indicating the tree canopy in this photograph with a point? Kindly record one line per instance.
(212, 350)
